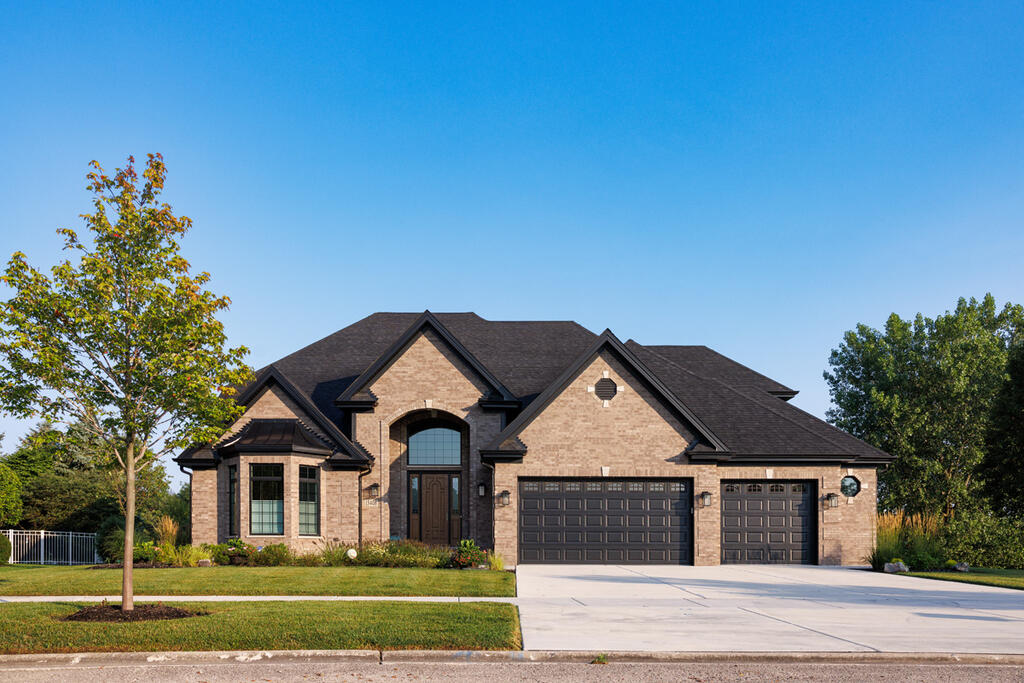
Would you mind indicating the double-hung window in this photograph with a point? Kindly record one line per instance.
(266, 505)
(233, 500)
(309, 501)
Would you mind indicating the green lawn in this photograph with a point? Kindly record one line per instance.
(1004, 578)
(35, 627)
(41, 580)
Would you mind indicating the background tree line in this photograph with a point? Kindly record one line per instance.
(945, 395)
(60, 483)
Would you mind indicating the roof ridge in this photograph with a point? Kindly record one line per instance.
(751, 400)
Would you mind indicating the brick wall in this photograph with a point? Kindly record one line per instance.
(339, 489)
(427, 378)
(635, 436)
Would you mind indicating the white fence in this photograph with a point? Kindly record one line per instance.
(51, 547)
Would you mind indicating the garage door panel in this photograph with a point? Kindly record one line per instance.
(606, 521)
(768, 522)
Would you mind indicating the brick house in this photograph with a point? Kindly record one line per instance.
(542, 440)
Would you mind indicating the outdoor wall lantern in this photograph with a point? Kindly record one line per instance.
(482, 490)
(705, 499)
(506, 497)
(374, 490)
(833, 500)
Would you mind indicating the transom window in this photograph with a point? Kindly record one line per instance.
(266, 505)
(436, 446)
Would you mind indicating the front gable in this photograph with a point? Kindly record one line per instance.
(409, 352)
(633, 424)
(609, 376)
(427, 373)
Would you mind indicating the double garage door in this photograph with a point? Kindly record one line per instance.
(606, 521)
(650, 521)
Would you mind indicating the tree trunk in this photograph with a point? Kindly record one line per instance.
(127, 583)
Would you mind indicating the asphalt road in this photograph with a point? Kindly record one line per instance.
(537, 672)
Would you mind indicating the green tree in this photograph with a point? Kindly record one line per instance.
(72, 501)
(923, 390)
(1003, 466)
(10, 496)
(125, 340)
(36, 452)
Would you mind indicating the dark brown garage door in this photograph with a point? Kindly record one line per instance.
(769, 522)
(606, 521)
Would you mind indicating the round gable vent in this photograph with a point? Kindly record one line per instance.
(605, 389)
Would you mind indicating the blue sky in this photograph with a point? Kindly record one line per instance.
(754, 177)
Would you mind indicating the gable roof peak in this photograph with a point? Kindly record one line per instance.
(359, 385)
(633, 363)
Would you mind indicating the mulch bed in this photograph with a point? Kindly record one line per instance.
(136, 565)
(149, 612)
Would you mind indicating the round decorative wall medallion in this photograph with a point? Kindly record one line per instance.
(606, 389)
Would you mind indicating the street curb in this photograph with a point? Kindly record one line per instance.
(197, 656)
(499, 657)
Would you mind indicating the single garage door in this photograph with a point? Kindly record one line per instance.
(606, 521)
(769, 522)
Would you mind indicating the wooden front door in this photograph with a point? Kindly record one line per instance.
(434, 515)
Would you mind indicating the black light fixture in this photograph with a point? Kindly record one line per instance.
(705, 499)
(482, 489)
(506, 497)
(833, 500)
(374, 490)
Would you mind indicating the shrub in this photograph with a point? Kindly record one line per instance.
(982, 539)
(332, 554)
(218, 553)
(110, 538)
(272, 555)
(950, 565)
(495, 561)
(5, 549)
(144, 552)
(386, 554)
(918, 538)
(930, 543)
(468, 554)
(887, 542)
(310, 559)
(166, 531)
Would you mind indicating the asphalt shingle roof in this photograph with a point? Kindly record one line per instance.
(741, 406)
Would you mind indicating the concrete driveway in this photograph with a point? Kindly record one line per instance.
(761, 608)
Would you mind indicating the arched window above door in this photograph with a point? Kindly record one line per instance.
(435, 446)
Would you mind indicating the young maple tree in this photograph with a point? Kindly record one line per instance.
(125, 342)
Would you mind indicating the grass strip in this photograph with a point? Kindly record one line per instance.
(33, 628)
(370, 581)
(1002, 578)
